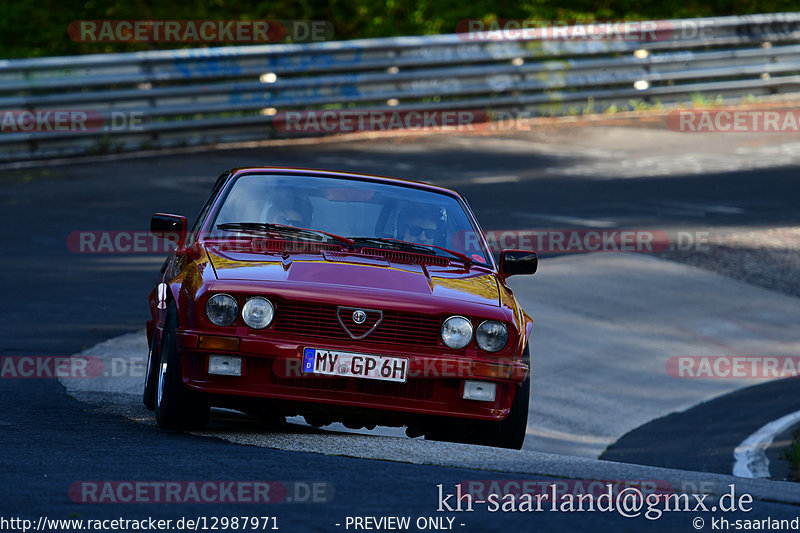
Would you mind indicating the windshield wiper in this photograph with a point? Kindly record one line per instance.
(266, 227)
(413, 247)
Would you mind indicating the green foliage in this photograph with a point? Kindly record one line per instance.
(32, 28)
(588, 109)
(699, 99)
(792, 454)
(642, 105)
(106, 145)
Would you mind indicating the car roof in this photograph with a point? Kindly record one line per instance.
(344, 175)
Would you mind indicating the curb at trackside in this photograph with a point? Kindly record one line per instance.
(750, 457)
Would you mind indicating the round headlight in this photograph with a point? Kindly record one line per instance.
(491, 336)
(221, 309)
(456, 332)
(258, 312)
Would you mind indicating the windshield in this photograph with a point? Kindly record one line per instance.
(357, 210)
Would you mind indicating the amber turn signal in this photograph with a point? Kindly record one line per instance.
(215, 342)
(491, 370)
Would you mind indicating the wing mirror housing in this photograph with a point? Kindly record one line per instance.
(513, 262)
(170, 227)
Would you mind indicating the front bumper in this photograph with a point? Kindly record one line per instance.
(272, 369)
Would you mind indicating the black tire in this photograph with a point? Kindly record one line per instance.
(150, 376)
(510, 433)
(507, 433)
(177, 407)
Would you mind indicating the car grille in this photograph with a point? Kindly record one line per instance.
(316, 320)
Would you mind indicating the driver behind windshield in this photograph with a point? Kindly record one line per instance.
(422, 226)
(290, 208)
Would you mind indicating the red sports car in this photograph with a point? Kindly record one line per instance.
(339, 297)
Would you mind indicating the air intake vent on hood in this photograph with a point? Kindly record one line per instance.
(398, 256)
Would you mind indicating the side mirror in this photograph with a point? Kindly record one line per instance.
(513, 262)
(170, 227)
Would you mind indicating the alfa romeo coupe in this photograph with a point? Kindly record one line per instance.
(339, 297)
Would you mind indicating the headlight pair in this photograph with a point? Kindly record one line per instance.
(257, 312)
(491, 335)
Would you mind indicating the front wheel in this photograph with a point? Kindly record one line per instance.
(176, 406)
(507, 433)
(510, 433)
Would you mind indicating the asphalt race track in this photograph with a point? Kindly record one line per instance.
(60, 303)
(673, 441)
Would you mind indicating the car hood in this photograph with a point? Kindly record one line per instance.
(477, 285)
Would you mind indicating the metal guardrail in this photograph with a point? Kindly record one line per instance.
(201, 96)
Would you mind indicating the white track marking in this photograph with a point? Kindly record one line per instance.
(750, 457)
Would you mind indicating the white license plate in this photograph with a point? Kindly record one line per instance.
(354, 365)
